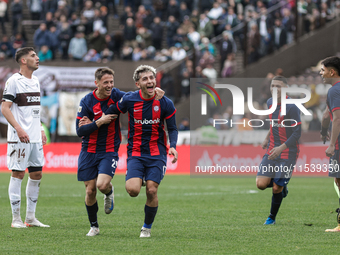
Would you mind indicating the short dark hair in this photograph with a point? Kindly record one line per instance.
(333, 62)
(22, 52)
(100, 72)
(280, 78)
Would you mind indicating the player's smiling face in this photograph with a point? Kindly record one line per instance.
(105, 86)
(326, 74)
(147, 84)
(278, 85)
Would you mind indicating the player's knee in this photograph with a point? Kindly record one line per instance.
(151, 192)
(91, 192)
(277, 189)
(102, 186)
(261, 185)
(132, 191)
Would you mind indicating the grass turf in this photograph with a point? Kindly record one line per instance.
(195, 216)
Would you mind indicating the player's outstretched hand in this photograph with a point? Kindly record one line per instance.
(43, 137)
(159, 93)
(23, 136)
(330, 150)
(173, 152)
(84, 121)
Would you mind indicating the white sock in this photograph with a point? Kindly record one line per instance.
(32, 193)
(14, 192)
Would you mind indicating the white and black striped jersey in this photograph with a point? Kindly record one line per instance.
(25, 95)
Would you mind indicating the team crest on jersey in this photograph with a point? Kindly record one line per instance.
(156, 108)
(79, 109)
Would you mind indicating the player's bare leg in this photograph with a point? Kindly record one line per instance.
(105, 186)
(150, 208)
(336, 229)
(92, 206)
(263, 182)
(32, 194)
(133, 186)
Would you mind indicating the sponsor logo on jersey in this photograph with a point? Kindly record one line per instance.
(31, 99)
(146, 122)
(80, 108)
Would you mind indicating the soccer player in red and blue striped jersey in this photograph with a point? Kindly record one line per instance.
(147, 140)
(100, 143)
(330, 72)
(282, 151)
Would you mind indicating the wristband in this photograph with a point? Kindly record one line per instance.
(324, 131)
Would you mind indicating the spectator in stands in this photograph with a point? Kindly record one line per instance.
(184, 125)
(325, 14)
(171, 28)
(194, 36)
(49, 20)
(35, 7)
(130, 33)
(64, 8)
(3, 10)
(214, 14)
(157, 33)
(126, 53)
(186, 24)
(264, 23)
(99, 22)
(183, 12)
(210, 73)
(178, 52)
(288, 23)
(254, 40)
(173, 9)
(74, 22)
(16, 9)
(126, 14)
(229, 66)
(194, 18)
(64, 38)
(178, 37)
(44, 54)
(186, 73)
(18, 42)
(279, 35)
(225, 48)
(92, 56)
(206, 45)
(148, 19)
(106, 55)
(206, 5)
(314, 124)
(159, 7)
(88, 11)
(205, 27)
(77, 48)
(144, 37)
(207, 58)
(139, 16)
(109, 43)
(41, 36)
(6, 47)
(187, 44)
(54, 40)
(97, 42)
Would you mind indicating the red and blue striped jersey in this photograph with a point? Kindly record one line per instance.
(285, 129)
(333, 103)
(107, 138)
(146, 136)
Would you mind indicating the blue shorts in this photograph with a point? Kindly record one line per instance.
(280, 170)
(153, 169)
(92, 164)
(334, 170)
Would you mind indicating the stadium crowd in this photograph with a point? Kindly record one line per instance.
(161, 30)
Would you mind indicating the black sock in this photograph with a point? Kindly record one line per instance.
(150, 213)
(92, 213)
(276, 202)
(108, 194)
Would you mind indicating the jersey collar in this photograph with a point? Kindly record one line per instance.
(335, 83)
(99, 99)
(140, 93)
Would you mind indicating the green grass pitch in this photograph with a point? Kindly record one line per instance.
(195, 216)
